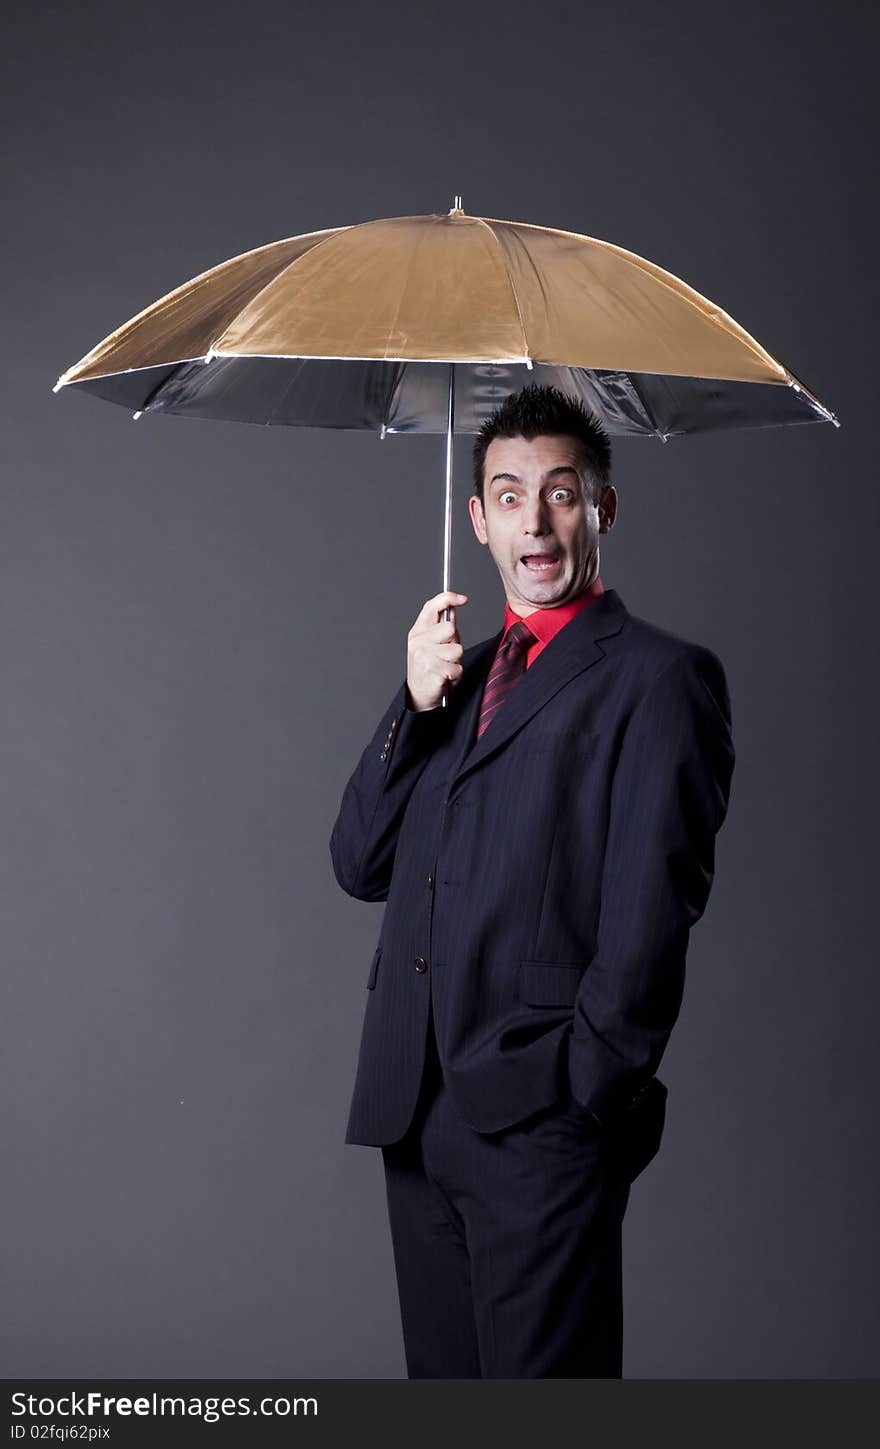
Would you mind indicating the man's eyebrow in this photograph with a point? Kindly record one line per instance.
(551, 473)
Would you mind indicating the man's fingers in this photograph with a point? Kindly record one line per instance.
(447, 651)
(442, 631)
(434, 648)
(433, 607)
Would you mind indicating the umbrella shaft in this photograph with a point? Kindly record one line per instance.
(447, 520)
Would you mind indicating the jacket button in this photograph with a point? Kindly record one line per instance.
(420, 963)
(384, 755)
(430, 881)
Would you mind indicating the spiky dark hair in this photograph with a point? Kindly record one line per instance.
(536, 410)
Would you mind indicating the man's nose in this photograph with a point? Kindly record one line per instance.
(535, 517)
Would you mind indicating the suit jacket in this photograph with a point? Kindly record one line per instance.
(541, 881)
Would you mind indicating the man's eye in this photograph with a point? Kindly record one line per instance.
(566, 491)
(506, 494)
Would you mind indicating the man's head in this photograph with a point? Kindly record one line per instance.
(541, 491)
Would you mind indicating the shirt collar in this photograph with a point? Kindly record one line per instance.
(545, 623)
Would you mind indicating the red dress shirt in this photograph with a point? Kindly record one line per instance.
(545, 623)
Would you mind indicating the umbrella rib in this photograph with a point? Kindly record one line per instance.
(506, 269)
(396, 371)
(126, 328)
(325, 237)
(709, 311)
(154, 392)
(644, 406)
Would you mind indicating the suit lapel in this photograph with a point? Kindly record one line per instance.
(575, 648)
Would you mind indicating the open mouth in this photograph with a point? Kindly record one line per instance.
(543, 564)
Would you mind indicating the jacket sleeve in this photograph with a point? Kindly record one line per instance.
(364, 838)
(669, 799)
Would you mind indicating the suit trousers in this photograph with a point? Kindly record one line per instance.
(507, 1245)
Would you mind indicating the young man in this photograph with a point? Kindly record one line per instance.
(544, 844)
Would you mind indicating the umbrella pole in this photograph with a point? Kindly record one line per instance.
(447, 519)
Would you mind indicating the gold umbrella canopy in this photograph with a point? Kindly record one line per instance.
(341, 328)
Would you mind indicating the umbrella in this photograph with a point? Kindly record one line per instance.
(345, 328)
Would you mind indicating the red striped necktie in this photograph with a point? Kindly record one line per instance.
(510, 663)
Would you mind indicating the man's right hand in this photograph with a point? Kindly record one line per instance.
(433, 651)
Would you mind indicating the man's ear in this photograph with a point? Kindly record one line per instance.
(475, 509)
(608, 509)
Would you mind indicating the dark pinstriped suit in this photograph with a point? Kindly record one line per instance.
(541, 883)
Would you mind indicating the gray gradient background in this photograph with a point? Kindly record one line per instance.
(202, 624)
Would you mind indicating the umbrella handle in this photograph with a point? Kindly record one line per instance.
(447, 517)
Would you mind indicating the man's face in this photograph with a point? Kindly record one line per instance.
(541, 526)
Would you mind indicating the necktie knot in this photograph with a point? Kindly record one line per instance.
(519, 637)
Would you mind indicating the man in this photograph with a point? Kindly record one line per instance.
(544, 843)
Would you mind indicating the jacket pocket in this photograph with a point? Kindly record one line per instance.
(543, 983)
(371, 979)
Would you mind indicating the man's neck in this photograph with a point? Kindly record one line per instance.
(523, 610)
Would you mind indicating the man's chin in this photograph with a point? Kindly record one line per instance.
(541, 594)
